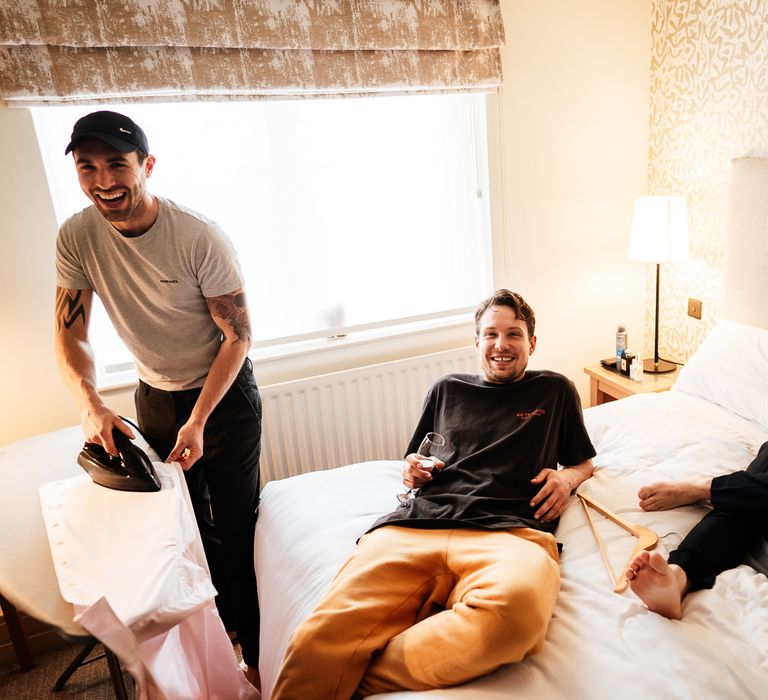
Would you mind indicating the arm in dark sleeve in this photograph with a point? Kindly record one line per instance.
(574, 444)
(426, 423)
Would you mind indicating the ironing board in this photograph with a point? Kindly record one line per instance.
(28, 574)
(27, 578)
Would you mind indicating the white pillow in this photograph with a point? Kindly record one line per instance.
(730, 368)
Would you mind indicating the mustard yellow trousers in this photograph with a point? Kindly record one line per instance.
(417, 609)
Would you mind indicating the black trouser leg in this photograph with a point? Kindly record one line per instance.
(231, 470)
(159, 419)
(722, 538)
(224, 488)
(214, 550)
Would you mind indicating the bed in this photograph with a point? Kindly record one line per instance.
(599, 645)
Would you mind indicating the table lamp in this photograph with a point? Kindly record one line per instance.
(659, 234)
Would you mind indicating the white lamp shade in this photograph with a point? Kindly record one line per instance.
(659, 229)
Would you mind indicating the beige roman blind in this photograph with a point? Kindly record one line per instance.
(78, 51)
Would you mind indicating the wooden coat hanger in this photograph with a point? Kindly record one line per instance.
(646, 539)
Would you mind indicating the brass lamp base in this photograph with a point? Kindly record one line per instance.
(660, 367)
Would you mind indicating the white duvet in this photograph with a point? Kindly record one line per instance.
(600, 645)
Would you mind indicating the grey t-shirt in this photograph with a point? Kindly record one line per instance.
(153, 287)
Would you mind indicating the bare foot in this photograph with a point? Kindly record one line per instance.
(663, 495)
(661, 586)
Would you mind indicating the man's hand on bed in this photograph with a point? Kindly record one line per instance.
(414, 476)
(553, 496)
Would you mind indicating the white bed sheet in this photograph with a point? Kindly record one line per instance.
(599, 644)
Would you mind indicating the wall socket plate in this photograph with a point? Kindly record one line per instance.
(694, 308)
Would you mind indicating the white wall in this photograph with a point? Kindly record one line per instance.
(575, 125)
(569, 142)
(34, 398)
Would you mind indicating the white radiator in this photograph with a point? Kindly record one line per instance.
(351, 416)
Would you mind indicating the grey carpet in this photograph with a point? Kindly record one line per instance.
(89, 682)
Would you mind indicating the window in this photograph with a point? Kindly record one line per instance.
(346, 214)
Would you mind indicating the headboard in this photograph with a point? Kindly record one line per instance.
(745, 297)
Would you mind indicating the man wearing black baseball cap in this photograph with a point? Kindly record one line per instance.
(115, 129)
(171, 284)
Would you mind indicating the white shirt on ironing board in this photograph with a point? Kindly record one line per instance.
(133, 567)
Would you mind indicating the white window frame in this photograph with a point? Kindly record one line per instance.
(436, 331)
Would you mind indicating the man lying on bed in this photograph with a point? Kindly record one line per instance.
(719, 541)
(464, 577)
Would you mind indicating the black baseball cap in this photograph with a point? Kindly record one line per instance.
(115, 129)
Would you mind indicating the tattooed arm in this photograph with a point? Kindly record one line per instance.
(230, 313)
(75, 358)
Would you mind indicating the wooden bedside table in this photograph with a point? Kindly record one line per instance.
(606, 385)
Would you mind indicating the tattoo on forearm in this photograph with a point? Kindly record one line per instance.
(69, 308)
(232, 308)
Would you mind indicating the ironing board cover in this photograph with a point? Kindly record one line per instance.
(133, 567)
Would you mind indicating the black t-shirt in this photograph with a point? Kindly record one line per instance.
(498, 437)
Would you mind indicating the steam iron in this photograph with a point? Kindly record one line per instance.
(131, 471)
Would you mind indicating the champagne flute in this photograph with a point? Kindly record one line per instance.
(430, 445)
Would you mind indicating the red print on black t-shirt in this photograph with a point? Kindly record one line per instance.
(525, 415)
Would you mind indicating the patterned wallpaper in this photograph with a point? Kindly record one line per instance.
(709, 104)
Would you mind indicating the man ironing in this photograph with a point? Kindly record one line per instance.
(172, 286)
